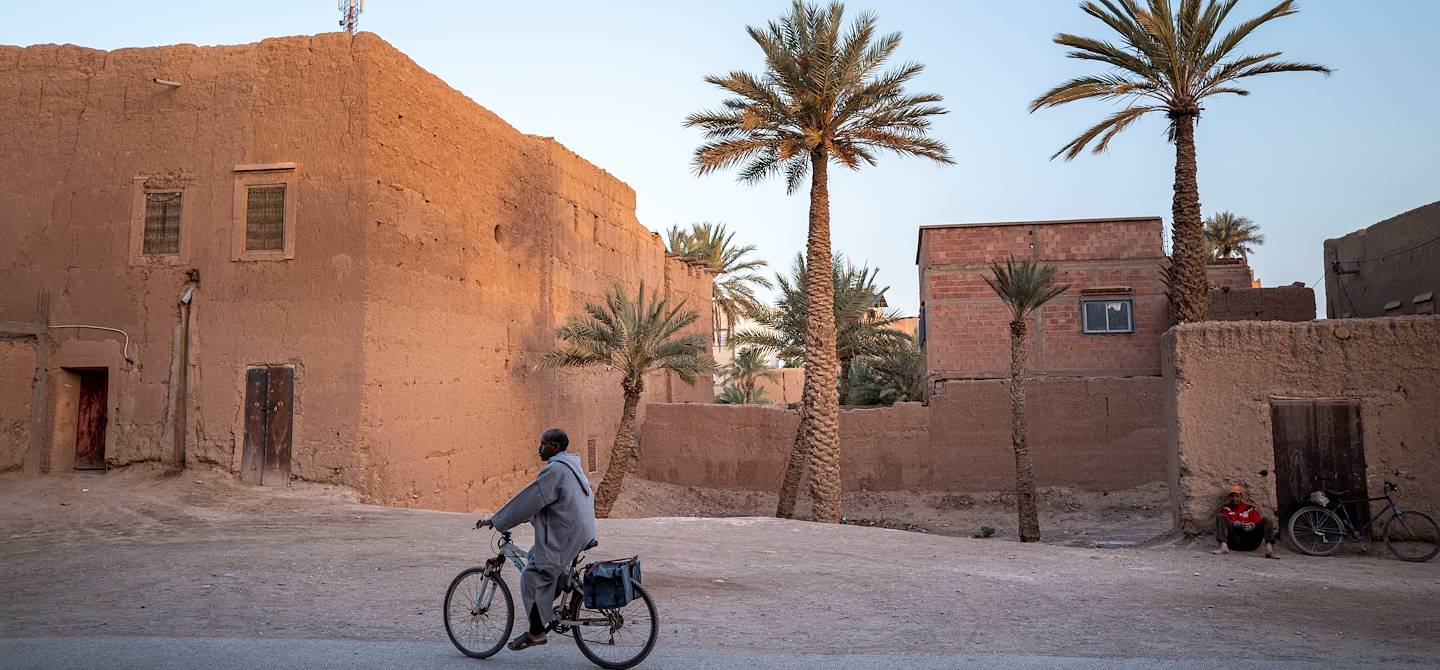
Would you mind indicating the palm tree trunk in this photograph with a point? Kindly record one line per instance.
(1024, 471)
(843, 388)
(1190, 298)
(622, 455)
(822, 434)
(795, 466)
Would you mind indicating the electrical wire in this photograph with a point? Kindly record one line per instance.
(125, 351)
(1382, 257)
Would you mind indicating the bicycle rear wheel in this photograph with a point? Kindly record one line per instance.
(1412, 536)
(1315, 531)
(620, 638)
(478, 622)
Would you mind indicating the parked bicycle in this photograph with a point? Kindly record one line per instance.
(1320, 529)
(479, 623)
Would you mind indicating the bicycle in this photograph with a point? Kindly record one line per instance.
(614, 639)
(1320, 529)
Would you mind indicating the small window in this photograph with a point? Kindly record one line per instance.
(265, 218)
(590, 454)
(162, 223)
(262, 223)
(1108, 316)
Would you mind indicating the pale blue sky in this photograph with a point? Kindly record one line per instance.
(1305, 156)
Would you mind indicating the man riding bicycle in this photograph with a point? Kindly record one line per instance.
(561, 507)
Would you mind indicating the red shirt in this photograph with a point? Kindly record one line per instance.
(1241, 513)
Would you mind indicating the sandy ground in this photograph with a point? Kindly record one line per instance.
(201, 555)
(1069, 517)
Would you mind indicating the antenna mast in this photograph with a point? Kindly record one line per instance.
(350, 14)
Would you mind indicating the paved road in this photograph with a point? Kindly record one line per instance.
(159, 653)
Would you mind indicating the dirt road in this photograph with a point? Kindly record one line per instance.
(199, 555)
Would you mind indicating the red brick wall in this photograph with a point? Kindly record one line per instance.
(967, 332)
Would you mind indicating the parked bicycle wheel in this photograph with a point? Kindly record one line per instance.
(1316, 531)
(620, 638)
(1412, 536)
(477, 621)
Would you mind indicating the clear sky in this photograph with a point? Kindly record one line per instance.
(1307, 157)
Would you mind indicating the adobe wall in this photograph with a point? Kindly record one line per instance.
(787, 386)
(1387, 269)
(490, 238)
(17, 380)
(1095, 433)
(1221, 377)
(1280, 303)
(437, 249)
(80, 126)
(967, 333)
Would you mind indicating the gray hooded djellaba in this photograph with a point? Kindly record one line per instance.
(561, 507)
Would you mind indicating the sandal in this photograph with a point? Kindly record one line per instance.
(524, 641)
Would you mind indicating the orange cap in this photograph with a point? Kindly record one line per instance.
(1236, 488)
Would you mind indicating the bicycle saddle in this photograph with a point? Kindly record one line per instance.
(1337, 495)
(592, 545)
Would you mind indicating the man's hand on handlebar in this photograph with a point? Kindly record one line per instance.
(483, 523)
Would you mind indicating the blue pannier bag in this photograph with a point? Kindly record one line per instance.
(611, 584)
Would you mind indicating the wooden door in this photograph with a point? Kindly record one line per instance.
(269, 414)
(1318, 446)
(91, 420)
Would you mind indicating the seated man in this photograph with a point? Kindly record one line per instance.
(561, 507)
(1241, 526)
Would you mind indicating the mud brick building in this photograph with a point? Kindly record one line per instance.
(303, 257)
(1389, 269)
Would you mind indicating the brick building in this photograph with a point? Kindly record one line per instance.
(1107, 324)
(303, 257)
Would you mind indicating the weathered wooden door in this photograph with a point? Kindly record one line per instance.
(1318, 446)
(91, 420)
(269, 416)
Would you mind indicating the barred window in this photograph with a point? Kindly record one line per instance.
(265, 218)
(162, 223)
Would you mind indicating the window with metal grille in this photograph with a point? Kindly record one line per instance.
(162, 223)
(265, 218)
(1108, 316)
(590, 464)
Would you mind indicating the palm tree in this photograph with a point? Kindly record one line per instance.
(823, 97)
(635, 337)
(745, 372)
(1170, 62)
(893, 377)
(731, 394)
(735, 276)
(859, 331)
(1024, 287)
(1229, 235)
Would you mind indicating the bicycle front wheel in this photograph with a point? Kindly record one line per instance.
(1315, 531)
(479, 613)
(1412, 536)
(620, 638)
